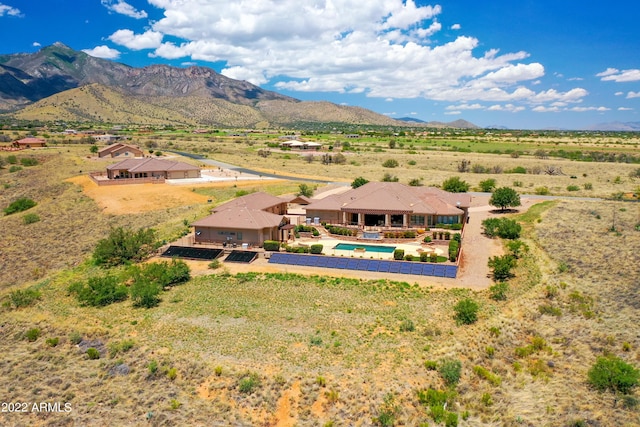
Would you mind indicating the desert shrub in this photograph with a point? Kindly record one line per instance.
(455, 185)
(99, 291)
(123, 246)
(517, 169)
(431, 365)
(359, 182)
(502, 227)
(53, 342)
(30, 218)
(487, 185)
(466, 311)
(93, 354)
(144, 292)
(215, 264)
(407, 325)
(248, 383)
(517, 248)
(549, 310)
(449, 370)
(75, 337)
(390, 163)
(172, 373)
(502, 267)
(15, 168)
(28, 161)
(613, 374)
(487, 375)
(415, 182)
(316, 249)
(389, 178)
(498, 292)
(398, 254)
(305, 189)
(19, 205)
(153, 367)
(120, 347)
(542, 191)
(271, 245)
(32, 334)
(23, 297)
(12, 159)
(587, 186)
(387, 412)
(573, 188)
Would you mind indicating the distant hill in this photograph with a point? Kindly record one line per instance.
(59, 83)
(410, 120)
(617, 126)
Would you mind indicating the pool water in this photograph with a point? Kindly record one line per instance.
(368, 248)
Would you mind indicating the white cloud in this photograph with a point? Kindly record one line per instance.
(124, 8)
(541, 109)
(619, 93)
(389, 100)
(102, 52)
(147, 40)
(615, 75)
(625, 109)
(575, 79)
(583, 109)
(451, 113)
(507, 107)
(9, 10)
(36, 44)
(465, 107)
(319, 46)
(633, 95)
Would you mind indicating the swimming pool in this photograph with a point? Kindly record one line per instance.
(368, 248)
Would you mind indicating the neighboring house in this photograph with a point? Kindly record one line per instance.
(249, 219)
(301, 145)
(391, 204)
(30, 142)
(109, 139)
(120, 150)
(152, 168)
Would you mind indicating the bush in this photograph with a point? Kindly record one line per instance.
(453, 250)
(498, 292)
(144, 292)
(32, 334)
(316, 249)
(123, 246)
(271, 245)
(573, 188)
(455, 185)
(53, 342)
(14, 168)
(215, 264)
(449, 370)
(390, 163)
(542, 191)
(424, 256)
(248, 383)
(502, 266)
(407, 325)
(23, 298)
(359, 182)
(93, 354)
(613, 374)
(502, 227)
(487, 375)
(487, 185)
(466, 311)
(408, 257)
(99, 291)
(28, 161)
(19, 205)
(398, 254)
(30, 218)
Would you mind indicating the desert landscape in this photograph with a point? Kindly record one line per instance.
(270, 345)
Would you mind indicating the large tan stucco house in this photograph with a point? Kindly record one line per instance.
(249, 219)
(120, 150)
(152, 168)
(391, 204)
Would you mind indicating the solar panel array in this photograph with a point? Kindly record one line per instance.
(192, 253)
(241, 256)
(401, 267)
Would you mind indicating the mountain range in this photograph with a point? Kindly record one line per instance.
(58, 83)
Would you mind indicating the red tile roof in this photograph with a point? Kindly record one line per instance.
(151, 165)
(240, 217)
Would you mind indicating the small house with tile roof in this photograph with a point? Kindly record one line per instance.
(152, 168)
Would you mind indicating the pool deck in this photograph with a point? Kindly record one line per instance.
(329, 243)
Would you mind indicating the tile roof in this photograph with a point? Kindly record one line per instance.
(258, 200)
(151, 165)
(393, 197)
(240, 217)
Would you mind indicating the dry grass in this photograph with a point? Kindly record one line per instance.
(289, 330)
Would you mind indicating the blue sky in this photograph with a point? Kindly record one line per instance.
(521, 64)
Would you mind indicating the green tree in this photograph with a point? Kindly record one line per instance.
(94, 148)
(305, 190)
(144, 291)
(99, 291)
(359, 182)
(487, 185)
(466, 311)
(123, 246)
(504, 197)
(613, 374)
(502, 266)
(455, 185)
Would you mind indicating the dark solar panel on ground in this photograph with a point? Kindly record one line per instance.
(403, 267)
(241, 256)
(191, 252)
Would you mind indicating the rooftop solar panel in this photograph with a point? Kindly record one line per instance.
(451, 271)
(405, 268)
(275, 258)
(427, 269)
(394, 267)
(352, 264)
(416, 268)
(362, 264)
(383, 267)
(241, 256)
(192, 253)
(305, 260)
(342, 263)
(323, 261)
(374, 265)
(439, 270)
(332, 262)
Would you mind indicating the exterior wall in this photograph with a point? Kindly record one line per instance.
(332, 217)
(279, 209)
(183, 174)
(222, 235)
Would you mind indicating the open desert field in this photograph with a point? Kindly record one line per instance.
(244, 347)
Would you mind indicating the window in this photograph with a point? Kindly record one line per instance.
(417, 220)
